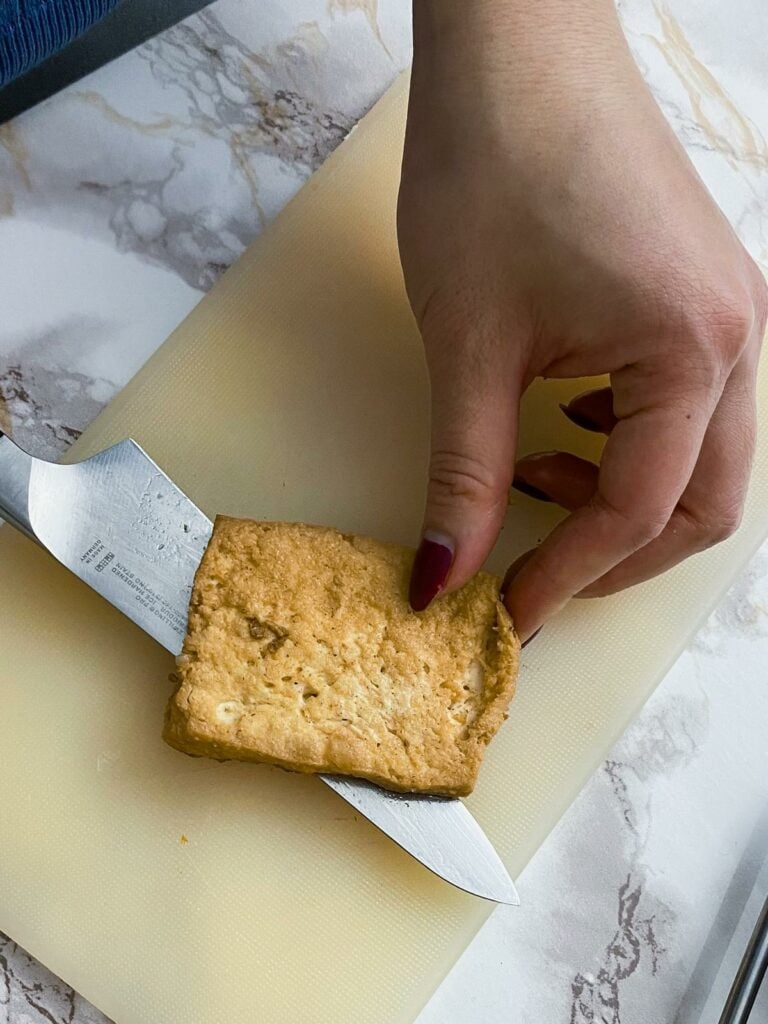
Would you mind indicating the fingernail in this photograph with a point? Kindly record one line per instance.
(531, 637)
(514, 569)
(533, 492)
(585, 422)
(431, 566)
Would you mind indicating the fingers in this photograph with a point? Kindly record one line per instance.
(710, 507)
(475, 397)
(646, 465)
(560, 477)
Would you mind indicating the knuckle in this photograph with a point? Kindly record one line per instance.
(722, 530)
(723, 526)
(644, 529)
(722, 327)
(638, 527)
(457, 478)
(716, 526)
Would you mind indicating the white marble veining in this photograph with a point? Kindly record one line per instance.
(125, 197)
(629, 908)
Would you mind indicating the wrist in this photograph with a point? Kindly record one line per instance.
(530, 42)
(519, 72)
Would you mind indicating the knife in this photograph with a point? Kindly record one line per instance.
(123, 527)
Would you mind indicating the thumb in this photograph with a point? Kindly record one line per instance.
(476, 390)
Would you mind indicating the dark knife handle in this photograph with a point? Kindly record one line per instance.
(749, 976)
(15, 473)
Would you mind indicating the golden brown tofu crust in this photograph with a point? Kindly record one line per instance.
(302, 651)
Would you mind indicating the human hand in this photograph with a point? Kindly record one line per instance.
(551, 225)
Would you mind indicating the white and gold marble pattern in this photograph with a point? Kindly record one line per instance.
(124, 198)
(149, 178)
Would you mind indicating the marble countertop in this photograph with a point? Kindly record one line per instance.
(124, 198)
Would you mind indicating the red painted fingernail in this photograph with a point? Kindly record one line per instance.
(531, 637)
(533, 492)
(585, 422)
(431, 566)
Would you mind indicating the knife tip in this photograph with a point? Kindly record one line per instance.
(503, 891)
(508, 897)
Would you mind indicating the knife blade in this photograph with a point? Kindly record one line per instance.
(120, 524)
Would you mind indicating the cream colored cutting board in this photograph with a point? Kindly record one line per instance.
(177, 891)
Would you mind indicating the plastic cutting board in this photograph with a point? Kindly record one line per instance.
(182, 891)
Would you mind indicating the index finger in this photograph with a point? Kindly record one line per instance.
(646, 465)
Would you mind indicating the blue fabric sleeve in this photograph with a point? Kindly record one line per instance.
(31, 30)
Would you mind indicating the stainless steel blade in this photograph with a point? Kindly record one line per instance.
(116, 521)
(120, 524)
(441, 833)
